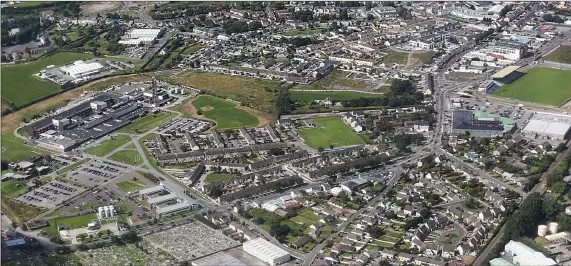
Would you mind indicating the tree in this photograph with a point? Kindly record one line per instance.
(284, 103)
(320, 149)
(130, 237)
(276, 151)
(258, 220)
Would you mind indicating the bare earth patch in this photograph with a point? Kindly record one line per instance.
(207, 108)
(98, 7)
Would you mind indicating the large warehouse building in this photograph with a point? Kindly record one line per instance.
(266, 251)
(480, 123)
(138, 36)
(526, 256)
(80, 69)
(548, 126)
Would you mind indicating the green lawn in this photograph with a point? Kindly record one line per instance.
(307, 96)
(394, 57)
(192, 49)
(32, 3)
(14, 188)
(14, 149)
(217, 177)
(127, 156)
(73, 222)
(108, 145)
(224, 113)
(328, 131)
(129, 186)
(20, 86)
(144, 124)
(540, 85)
(561, 55)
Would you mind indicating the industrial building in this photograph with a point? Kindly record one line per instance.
(138, 36)
(507, 75)
(523, 255)
(80, 69)
(480, 124)
(219, 259)
(150, 191)
(548, 126)
(510, 50)
(162, 199)
(85, 121)
(266, 251)
(176, 209)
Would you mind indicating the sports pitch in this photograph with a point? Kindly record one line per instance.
(540, 85)
(330, 131)
(224, 113)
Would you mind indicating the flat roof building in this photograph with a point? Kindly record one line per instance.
(162, 199)
(541, 128)
(218, 259)
(468, 121)
(151, 190)
(507, 75)
(526, 256)
(174, 209)
(80, 69)
(266, 251)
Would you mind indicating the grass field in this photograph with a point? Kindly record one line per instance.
(301, 32)
(394, 57)
(420, 59)
(224, 113)
(561, 55)
(351, 83)
(129, 186)
(540, 85)
(248, 91)
(109, 145)
(217, 177)
(330, 131)
(32, 3)
(75, 221)
(144, 124)
(192, 49)
(127, 156)
(14, 188)
(334, 78)
(20, 87)
(308, 96)
(14, 149)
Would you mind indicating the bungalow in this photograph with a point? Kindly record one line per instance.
(463, 250)
(314, 232)
(342, 248)
(347, 242)
(372, 253)
(431, 249)
(327, 219)
(485, 216)
(332, 256)
(354, 237)
(300, 242)
(455, 211)
(363, 258)
(448, 252)
(316, 225)
(416, 243)
(408, 210)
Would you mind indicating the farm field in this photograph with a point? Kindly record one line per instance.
(14, 149)
(224, 113)
(129, 186)
(109, 145)
(217, 177)
(330, 131)
(561, 55)
(20, 86)
(308, 96)
(540, 85)
(256, 93)
(127, 156)
(144, 124)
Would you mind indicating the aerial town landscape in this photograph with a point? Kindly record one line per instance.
(286, 133)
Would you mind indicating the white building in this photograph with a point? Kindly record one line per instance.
(174, 209)
(424, 45)
(80, 69)
(58, 143)
(509, 50)
(161, 199)
(384, 12)
(138, 36)
(541, 128)
(526, 256)
(106, 212)
(266, 251)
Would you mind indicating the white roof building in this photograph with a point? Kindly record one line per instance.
(526, 256)
(219, 259)
(80, 69)
(554, 130)
(266, 251)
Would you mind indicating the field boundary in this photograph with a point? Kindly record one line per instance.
(367, 92)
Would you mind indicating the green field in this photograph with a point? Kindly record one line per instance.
(394, 57)
(127, 156)
(540, 85)
(192, 49)
(14, 149)
(144, 124)
(71, 166)
(561, 55)
(330, 131)
(217, 177)
(307, 96)
(108, 145)
(129, 186)
(20, 86)
(32, 3)
(14, 188)
(224, 113)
